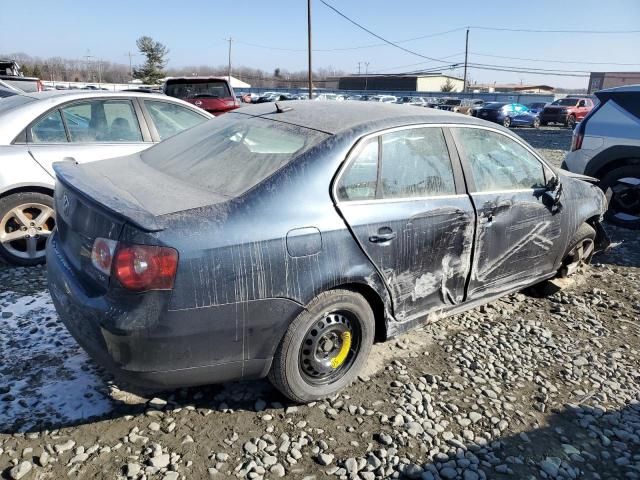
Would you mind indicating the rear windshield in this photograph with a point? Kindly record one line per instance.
(205, 88)
(231, 154)
(493, 106)
(567, 102)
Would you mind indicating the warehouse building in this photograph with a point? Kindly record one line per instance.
(600, 80)
(428, 82)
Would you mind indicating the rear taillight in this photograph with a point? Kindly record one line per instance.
(576, 140)
(136, 267)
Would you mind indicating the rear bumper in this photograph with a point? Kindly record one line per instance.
(554, 117)
(137, 339)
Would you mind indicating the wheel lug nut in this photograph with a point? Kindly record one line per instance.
(24, 229)
(32, 224)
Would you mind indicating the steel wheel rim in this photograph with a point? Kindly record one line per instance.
(624, 199)
(25, 228)
(323, 343)
(579, 255)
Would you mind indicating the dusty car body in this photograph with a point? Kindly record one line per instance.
(246, 263)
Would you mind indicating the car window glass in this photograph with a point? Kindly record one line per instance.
(415, 163)
(581, 103)
(359, 179)
(49, 129)
(171, 119)
(102, 121)
(498, 162)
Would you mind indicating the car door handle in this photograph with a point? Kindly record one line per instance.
(383, 237)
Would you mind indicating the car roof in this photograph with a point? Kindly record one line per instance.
(339, 117)
(626, 88)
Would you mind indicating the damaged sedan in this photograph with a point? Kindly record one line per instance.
(282, 242)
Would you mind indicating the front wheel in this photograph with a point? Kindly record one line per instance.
(506, 122)
(325, 347)
(621, 186)
(26, 221)
(581, 249)
(571, 122)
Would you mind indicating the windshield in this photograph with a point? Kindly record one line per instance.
(567, 102)
(197, 88)
(453, 102)
(231, 154)
(14, 102)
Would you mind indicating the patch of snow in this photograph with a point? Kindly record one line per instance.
(45, 376)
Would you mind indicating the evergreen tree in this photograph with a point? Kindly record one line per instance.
(155, 52)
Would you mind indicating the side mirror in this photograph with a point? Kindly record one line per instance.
(553, 194)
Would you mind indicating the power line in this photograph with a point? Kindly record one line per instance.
(552, 61)
(529, 30)
(416, 64)
(378, 36)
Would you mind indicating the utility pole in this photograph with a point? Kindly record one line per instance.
(359, 67)
(366, 75)
(466, 54)
(309, 49)
(130, 64)
(229, 65)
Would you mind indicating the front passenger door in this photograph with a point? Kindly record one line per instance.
(408, 211)
(516, 230)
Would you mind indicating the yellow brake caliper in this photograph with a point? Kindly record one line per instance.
(344, 350)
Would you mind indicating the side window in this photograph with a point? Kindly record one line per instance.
(416, 163)
(582, 103)
(49, 129)
(359, 179)
(497, 162)
(171, 119)
(102, 121)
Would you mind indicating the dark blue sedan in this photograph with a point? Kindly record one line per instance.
(509, 115)
(282, 242)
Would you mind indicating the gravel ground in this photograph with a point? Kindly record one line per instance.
(541, 384)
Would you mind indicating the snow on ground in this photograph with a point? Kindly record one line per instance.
(45, 377)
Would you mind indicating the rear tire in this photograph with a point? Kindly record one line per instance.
(536, 123)
(303, 366)
(26, 220)
(623, 197)
(581, 249)
(506, 122)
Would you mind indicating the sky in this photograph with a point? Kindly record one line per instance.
(273, 34)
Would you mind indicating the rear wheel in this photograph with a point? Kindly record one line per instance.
(506, 122)
(325, 347)
(536, 123)
(622, 189)
(26, 221)
(581, 249)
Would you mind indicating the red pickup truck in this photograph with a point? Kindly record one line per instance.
(213, 94)
(567, 111)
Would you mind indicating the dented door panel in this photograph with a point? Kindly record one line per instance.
(426, 263)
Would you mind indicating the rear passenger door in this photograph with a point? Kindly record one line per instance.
(88, 130)
(404, 201)
(517, 230)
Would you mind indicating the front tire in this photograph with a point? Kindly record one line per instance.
(26, 221)
(581, 249)
(571, 122)
(325, 347)
(621, 186)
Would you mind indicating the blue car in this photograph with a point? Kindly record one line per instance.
(509, 115)
(536, 107)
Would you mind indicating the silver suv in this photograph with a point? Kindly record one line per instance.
(606, 145)
(38, 129)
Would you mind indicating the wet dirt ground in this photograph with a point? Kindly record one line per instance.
(541, 384)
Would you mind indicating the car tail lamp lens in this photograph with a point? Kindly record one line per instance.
(102, 254)
(576, 140)
(145, 267)
(136, 267)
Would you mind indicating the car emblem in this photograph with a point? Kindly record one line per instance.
(197, 103)
(66, 205)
